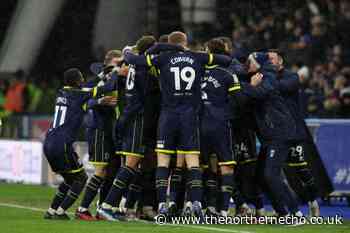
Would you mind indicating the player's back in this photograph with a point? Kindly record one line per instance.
(69, 113)
(216, 85)
(135, 90)
(180, 79)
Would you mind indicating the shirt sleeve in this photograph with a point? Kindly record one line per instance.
(213, 59)
(233, 83)
(133, 59)
(141, 60)
(97, 91)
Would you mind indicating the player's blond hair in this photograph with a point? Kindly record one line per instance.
(112, 54)
(178, 38)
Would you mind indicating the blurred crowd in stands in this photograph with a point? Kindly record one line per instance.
(312, 34)
(315, 40)
(22, 95)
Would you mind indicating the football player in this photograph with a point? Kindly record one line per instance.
(217, 85)
(289, 87)
(100, 120)
(138, 84)
(178, 131)
(276, 128)
(58, 145)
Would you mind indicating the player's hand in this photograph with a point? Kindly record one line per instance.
(256, 79)
(108, 101)
(123, 71)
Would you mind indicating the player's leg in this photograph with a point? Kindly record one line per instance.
(246, 176)
(148, 167)
(177, 185)
(210, 185)
(111, 171)
(78, 181)
(226, 161)
(246, 171)
(189, 147)
(273, 174)
(96, 145)
(53, 150)
(133, 196)
(149, 163)
(113, 159)
(167, 132)
(162, 175)
(195, 181)
(61, 193)
(278, 207)
(75, 176)
(91, 190)
(303, 173)
(133, 151)
(209, 164)
(116, 161)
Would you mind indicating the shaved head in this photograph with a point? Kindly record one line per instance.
(178, 38)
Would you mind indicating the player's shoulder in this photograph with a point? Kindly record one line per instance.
(289, 73)
(71, 92)
(224, 71)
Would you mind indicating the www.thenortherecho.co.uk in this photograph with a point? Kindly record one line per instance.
(235, 220)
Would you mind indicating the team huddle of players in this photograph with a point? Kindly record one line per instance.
(161, 119)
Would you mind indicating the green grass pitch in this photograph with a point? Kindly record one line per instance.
(22, 206)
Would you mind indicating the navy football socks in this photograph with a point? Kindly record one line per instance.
(75, 190)
(120, 184)
(195, 179)
(60, 195)
(91, 190)
(162, 175)
(226, 190)
(210, 188)
(134, 192)
(175, 183)
(105, 187)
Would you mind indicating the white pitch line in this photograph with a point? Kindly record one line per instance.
(188, 226)
(22, 207)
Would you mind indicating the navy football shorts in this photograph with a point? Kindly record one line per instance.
(101, 145)
(244, 145)
(60, 155)
(132, 137)
(178, 132)
(296, 155)
(216, 139)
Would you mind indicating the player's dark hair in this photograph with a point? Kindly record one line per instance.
(71, 77)
(216, 46)
(279, 53)
(227, 41)
(144, 43)
(110, 55)
(163, 38)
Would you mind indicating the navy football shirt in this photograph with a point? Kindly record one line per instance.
(180, 75)
(70, 108)
(217, 84)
